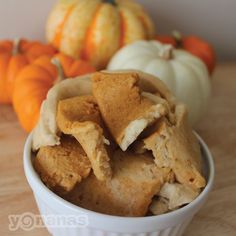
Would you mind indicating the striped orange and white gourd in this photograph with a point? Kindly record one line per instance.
(95, 29)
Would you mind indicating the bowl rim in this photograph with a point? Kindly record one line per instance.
(36, 183)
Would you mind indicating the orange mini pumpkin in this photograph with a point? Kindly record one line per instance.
(96, 29)
(34, 81)
(13, 57)
(193, 44)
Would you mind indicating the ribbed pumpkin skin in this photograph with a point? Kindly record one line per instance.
(195, 45)
(95, 29)
(11, 63)
(34, 81)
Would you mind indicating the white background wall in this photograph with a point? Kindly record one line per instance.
(214, 20)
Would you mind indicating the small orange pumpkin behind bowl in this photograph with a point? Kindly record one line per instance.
(34, 81)
(14, 55)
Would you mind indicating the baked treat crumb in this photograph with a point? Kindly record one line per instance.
(80, 117)
(125, 111)
(175, 146)
(136, 179)
(61, 167)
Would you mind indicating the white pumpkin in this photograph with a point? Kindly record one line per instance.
(185, 75)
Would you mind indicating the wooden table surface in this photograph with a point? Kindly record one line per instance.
(218, 129)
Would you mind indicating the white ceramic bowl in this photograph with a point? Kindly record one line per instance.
(96, 224)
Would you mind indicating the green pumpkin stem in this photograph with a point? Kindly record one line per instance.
(113, 2)
(60, 71)
(16, 46)
(178, 38)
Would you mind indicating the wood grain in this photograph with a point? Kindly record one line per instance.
(218, 129)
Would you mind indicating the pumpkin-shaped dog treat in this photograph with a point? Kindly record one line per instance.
(96, 29)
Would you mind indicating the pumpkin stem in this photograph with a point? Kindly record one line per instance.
(16, 45)
(112, 2)
(177, 37)
(60, 71)
(166, 52)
